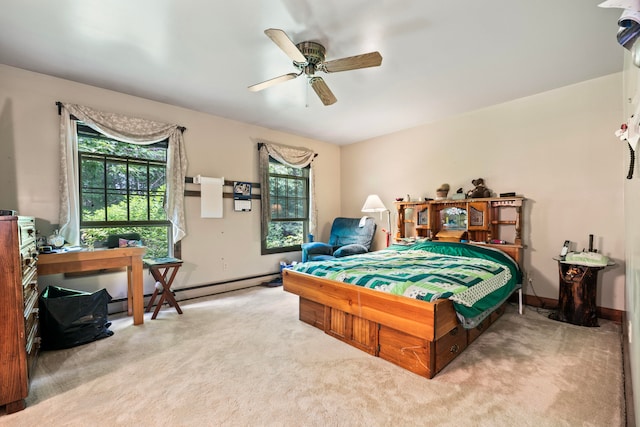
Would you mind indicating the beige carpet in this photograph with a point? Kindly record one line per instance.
(244, 359)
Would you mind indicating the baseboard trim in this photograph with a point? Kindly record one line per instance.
(119, 305)
(226, 282)
(630, 415)
(551, 304)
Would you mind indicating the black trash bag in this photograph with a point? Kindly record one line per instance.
(69, 318)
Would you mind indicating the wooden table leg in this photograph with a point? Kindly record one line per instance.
(166, 295)
(153, 298)
(15, 406)
(129, 293)
(137, 291)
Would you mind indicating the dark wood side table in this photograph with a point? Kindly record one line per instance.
(577, 294)
(164, 272)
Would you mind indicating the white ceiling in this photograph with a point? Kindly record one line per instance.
(440, 58)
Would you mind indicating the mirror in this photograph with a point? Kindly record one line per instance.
(409, 230)
(453, 218)
(423, 217)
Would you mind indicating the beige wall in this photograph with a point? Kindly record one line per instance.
(631, 102)
(214, 146)
(555, 148)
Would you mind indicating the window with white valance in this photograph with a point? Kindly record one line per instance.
(126, 129)
(287, 189)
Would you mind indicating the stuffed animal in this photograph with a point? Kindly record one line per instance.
(479, 191)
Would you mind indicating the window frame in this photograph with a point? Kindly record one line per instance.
(305, 178)
(85, 131)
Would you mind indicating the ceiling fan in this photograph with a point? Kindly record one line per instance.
(308, 57)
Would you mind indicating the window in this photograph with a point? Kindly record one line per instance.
(289, 205)
(122, 190)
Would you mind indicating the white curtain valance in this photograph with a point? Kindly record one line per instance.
(296, 157)
(127, 129)
(123, 128)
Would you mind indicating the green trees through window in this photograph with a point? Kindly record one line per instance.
(289, 197)
(122, 189)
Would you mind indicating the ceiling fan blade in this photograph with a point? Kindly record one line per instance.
(322, 90)
(271, 82)
(283, 41)
(371, 59)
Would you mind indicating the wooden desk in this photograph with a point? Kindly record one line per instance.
(66, 262)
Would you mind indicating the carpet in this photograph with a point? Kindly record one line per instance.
(244, 359)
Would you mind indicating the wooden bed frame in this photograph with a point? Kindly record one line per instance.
(419, 336)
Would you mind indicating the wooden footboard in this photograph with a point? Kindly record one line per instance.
(419, 336)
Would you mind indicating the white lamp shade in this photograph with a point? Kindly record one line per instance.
(374, 204)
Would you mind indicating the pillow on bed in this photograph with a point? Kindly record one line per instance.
(353, 249)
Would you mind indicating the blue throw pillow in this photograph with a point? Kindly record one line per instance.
(353, 249)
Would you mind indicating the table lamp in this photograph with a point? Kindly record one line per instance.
(374, 204)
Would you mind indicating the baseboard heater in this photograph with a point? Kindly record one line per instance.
(207, 285)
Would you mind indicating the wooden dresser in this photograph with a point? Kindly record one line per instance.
(19, 326)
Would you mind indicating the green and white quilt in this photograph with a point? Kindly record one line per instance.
(476, 279)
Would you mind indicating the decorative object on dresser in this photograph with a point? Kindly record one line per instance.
(459, 195)
(479, 191)
(441, 192)
(56, 240)
(19, 326)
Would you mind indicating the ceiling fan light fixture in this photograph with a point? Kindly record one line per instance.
(314, 52)
(309, 57)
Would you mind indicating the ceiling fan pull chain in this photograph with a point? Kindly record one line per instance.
(306, 94)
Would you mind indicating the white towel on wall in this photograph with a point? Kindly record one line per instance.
(211, 197)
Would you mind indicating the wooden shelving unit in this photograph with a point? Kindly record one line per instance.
(487, 221)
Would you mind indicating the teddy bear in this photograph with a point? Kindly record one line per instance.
(479, 191)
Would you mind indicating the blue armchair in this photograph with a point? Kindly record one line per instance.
(349, 236)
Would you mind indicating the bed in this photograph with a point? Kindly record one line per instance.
(418, 306)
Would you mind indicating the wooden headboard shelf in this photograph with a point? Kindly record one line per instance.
(487, 222)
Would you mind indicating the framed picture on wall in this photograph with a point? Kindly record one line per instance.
(242, 196)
